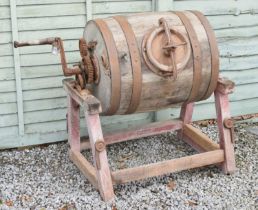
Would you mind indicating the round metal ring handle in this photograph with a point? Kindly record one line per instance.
(154, 61)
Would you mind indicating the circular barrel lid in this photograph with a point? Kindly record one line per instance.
(166, 50)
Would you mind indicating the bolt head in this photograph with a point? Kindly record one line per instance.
(228, 123)
(100, 145)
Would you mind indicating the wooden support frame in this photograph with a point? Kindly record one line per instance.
(168, 166)
(198, 140)
(139, 132)
(103, 178)
(224, 88)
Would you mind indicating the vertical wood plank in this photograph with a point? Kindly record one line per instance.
(73, 123)
(164, 5)
(105, 184)
(17, 67)
(186, 114)
(223, 112)
(89, 9)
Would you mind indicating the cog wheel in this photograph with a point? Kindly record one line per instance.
(89, 69)
(83, 47)
(88, 64)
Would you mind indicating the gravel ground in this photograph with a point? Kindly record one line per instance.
(44, 178)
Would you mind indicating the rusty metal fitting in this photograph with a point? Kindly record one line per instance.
(174, 44)
(83, 47)
(228, 123)
(95, 63)
(104, 61)
(89, 64)
(57, 43)
(92, 46)
(100, 145)
(86, 71)
(46, 41)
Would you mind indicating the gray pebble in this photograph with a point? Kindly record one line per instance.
(45, 178)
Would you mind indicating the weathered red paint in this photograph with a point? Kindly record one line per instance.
(223, 112)
(224, 153)
(143, 131)
(100, 158)
(186, 114)
(73, 122)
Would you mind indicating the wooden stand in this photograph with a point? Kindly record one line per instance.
(100, 175)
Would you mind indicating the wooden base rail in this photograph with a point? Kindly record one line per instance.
(139, 132)
(103, 178)
(150, 170)
(168, 166)
(198, 140)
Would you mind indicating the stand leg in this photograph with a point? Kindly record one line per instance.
(186, 114)
(226, 139)
(73, 123)
(105, 184)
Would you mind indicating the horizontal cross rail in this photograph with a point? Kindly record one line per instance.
(168, 166)
(134, 133)
(198, 140)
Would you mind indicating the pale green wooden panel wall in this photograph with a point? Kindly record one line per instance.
(41, 107)
(8, 100)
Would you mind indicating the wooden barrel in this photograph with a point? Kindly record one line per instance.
(152, 61)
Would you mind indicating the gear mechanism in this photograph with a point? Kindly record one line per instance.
(88, 65)
(90, 70)
(83, 47)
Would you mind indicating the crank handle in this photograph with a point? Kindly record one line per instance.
(47, 41)
(57, 44)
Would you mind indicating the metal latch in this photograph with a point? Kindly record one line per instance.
(170, 46)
